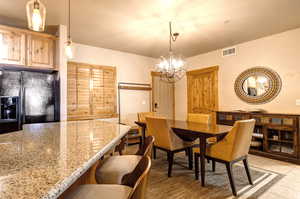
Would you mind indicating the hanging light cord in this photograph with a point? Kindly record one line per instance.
(69, 21)
(173, 36)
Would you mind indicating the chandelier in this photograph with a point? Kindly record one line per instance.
(172, 67)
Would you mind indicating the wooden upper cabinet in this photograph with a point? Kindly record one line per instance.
(26, 48)
(40, 51)
(12, 47)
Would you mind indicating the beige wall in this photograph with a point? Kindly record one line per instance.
(281, 52)
(130, 68)
(61, 62)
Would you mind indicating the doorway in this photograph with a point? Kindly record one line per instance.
(163, 97)
(202, 91)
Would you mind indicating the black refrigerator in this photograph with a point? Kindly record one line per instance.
(38, 94)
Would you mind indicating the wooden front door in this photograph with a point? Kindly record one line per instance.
(202, 87)
(163, 97)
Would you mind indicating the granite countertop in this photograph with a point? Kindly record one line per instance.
(43, 160)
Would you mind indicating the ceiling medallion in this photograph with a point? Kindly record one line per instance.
(172, 67)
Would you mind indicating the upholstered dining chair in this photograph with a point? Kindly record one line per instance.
(142, 116)
(201, 118)
(233, 148)
(133, 185)
(167, 140)
(114, 168)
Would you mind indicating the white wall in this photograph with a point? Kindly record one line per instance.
(130, 68)
(281, 52)
(61, 62)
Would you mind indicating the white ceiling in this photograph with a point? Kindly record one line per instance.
(141, 26)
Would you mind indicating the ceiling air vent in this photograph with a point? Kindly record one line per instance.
(229, 51)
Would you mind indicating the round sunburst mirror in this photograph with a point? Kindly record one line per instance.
(257, 85)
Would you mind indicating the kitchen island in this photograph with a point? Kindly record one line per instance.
(44, 160)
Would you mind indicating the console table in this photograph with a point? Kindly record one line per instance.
(275, 135)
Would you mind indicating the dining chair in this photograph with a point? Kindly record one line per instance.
(142, 116)
(133, 185)
(233, 148)
(114, 168)
(201, 118)
(168, 141)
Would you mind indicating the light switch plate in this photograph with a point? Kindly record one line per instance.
(297, 102)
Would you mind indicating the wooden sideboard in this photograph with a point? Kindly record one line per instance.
(275, 135)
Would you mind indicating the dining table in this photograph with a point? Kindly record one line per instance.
(190, 131)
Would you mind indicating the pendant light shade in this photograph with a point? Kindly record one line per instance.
(36, 15)
(69, 49)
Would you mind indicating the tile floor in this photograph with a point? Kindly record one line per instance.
(288, 187)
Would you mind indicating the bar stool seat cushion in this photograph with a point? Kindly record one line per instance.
(115, 167)
(96, 191)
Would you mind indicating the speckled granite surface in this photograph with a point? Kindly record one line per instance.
(43, 160)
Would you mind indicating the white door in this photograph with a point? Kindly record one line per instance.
(163, 97)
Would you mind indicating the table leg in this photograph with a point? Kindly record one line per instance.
(202, 159)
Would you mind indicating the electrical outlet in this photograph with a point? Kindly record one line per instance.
(297, 102)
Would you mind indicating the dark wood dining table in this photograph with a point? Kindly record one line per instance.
(190, 131)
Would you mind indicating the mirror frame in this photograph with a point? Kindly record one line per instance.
(274, 85)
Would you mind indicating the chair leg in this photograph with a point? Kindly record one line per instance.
(246, 165)
(186, 152)
(196, 160)
(190, 151)
(230, 176)
(170, 160)
(154, 152)
(213, 165)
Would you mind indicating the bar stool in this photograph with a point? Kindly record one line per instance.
(115, 167)
(133, 185)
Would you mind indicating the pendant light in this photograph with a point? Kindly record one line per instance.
(36, 15)
(172, 67)
(69, 46)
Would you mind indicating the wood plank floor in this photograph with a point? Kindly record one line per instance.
(286, 188)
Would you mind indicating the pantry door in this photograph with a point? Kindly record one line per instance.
(163, 97)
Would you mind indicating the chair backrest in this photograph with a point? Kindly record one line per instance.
(146, 148)
(239, 138)
(159, 128)
(142, 116)
(137, 179)
(199, 118)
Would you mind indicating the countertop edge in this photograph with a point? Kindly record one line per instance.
(66, 183)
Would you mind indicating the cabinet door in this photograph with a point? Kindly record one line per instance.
(40, 51)
(12, 47)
